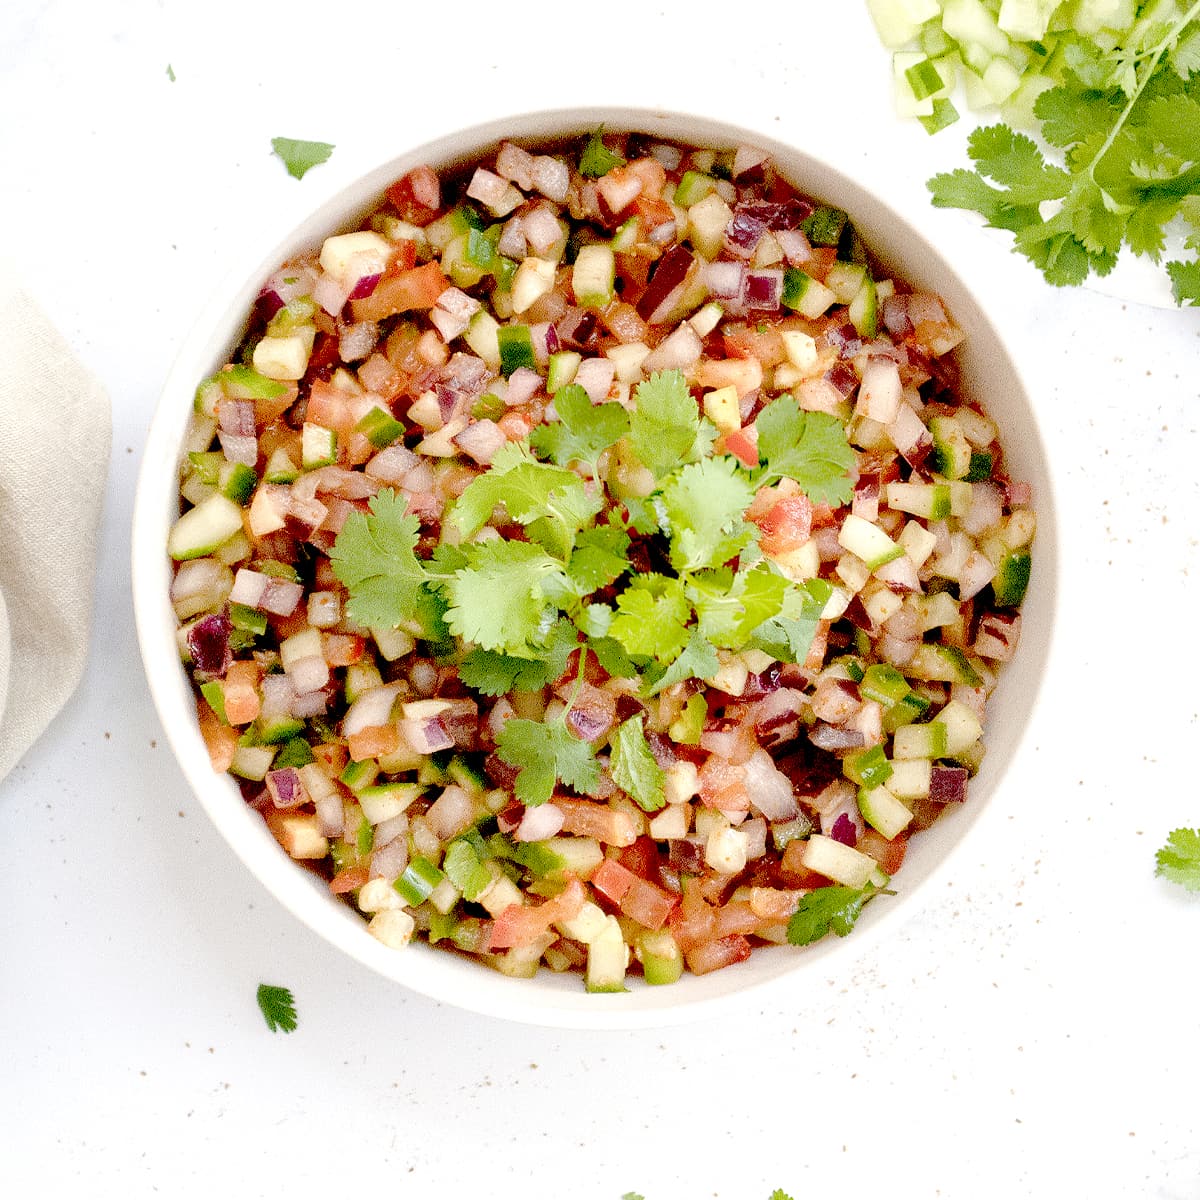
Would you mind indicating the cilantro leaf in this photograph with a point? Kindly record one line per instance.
(1179, 859)
(1185, 282)
(809, 447)
(610, 654)
(779, 1194)
(789, 636)
(530, 491)
(496, 674)
(597, 159)
(665, 423)
(583, 430)
(827, 909)
(698, 660)
(651, 618)
(599, 559)
(299, 156)
(546, 751)
(374, 556)
(705, 503)
(730, 606)
(500, 601)
(278, 1007)
(634, 769)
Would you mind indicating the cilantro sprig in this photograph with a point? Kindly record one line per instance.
(833, 909)
(1179, 859)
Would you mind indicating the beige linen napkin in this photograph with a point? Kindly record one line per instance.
(55, 437)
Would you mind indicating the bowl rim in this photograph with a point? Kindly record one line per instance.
(445, 977)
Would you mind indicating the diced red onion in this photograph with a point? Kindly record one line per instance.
(330, 814)
(358, 340)
(986, 511)
(900, 574)
(389, 862)
(311, 704)
(453, 312)
(365, 285)
(770, 789)
(595, 376)
(387, 831)
(842, 829)
(487, 187)
(541, 228)
(285, 788)
(540, 822)
(723, 278)
(670, 156)
(746, 158)
(370, 710)
(239, 448)
(764, 289)
(523, 384)
(998, 636)
(330, 294)
(880, 393)
(1020, 493)
(481, 440)
(281, 597)
(948, 785)
(198, 577)
(619, 189)
(451, 813)
(427, 735)
(236, 416)
(512, 242)
(743, 232)
(391, 465)
(834, 737)
(795, 246)
(208, 644)
(516, 165)
(975, 574)
(277, 695)
(680, 350)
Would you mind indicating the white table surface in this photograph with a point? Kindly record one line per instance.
(1031, 1030)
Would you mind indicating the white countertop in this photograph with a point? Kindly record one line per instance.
(1030, 1031)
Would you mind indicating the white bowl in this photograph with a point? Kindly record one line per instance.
(988, 374)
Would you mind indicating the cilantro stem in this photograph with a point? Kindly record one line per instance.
(1143, 79)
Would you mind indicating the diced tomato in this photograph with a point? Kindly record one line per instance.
(416, 196)
(642, 858)
(349, 880)
(331, 408)
(219, 739)
(332, 756)
(796, 874)
(584, 818)
(613, 880)
(373, 741)
(521, 924)
(242, 701)
(712, 956)
(889, 855)
(743, 445)
(736, 917)
(342, 649)
(406, 291)
(694, 919)
(762, 342)
(624, 323)
(786, 525)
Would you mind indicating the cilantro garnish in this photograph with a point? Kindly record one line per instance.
(705, 505)
(374, 557)
(1120, 116)
(1179, 859)
(634, 768)
(651, 618)
(698, 660)
(833, 909)
(497, 674)
(170, 72)
(665, 422)
(583, 430)
(597, 159)
(547, 751)
(278, 1007)
(299, 156)
(809, 447)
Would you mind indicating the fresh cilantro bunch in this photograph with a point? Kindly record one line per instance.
(569, 574)
(1101, 150)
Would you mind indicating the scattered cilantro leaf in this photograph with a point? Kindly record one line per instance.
(833, 909)
(730, 606)
(705, 504)
(170, 72)
(300, 156)
(809, 447)
(779, 1194)
(546, 751)
(278, 1007)
(583, 430)
(634, 769)
(374, 556)
(1179, 859)
(597, 159)
(651, 618)
(500, 601)
(665, 423)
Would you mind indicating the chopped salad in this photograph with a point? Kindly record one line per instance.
(591, 563)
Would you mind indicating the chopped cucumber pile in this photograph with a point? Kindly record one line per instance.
(1100, 150)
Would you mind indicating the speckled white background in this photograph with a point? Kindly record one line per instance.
(1030, 1031)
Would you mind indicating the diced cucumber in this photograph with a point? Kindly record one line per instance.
(252, 762)
(563, 365)
(944, 113)
(358, 775)
(869, 768)
(578, 856)
(202, 529)
(660, 956)
(864, 309)
(951, 451)
(963, 727)
(928, 500)
(318, 446)
(237, 481)
(884, 684)
(1011, 579)
(947, 664)
(516, 348)
(693, 187)
(839, 862)
(482, 336)
(884, 811)
(899, 21)
(805, 295)
(825, 225)
(844, 279)
(970, 23)
(910, 778)
(593, 275)
(868, 542)
(607, 959)
(240, 382)
(908, 104)
(706, 223)
(380, 427)
(382, 801)
(920, 741)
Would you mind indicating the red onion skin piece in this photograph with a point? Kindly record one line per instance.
(948, 785)
(365, 286)
(668, 274)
